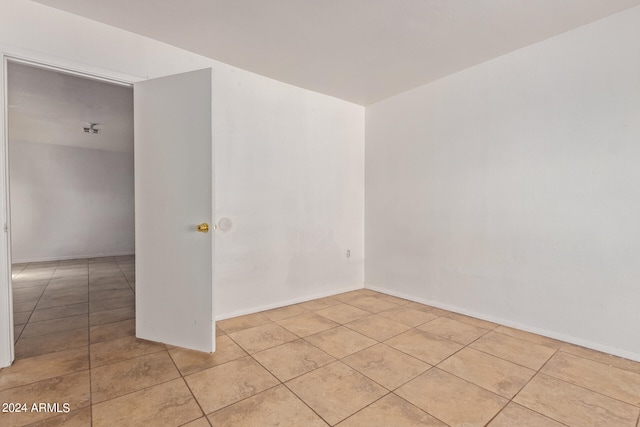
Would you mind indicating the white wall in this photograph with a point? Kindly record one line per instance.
(290, 176)
(69, 202)
(279, 152)
(510, 190)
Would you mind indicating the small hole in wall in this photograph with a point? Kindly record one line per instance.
(348, 253)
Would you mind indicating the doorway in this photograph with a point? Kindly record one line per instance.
(71, 194)
(173, 162)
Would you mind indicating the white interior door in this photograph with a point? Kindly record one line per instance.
(173, 194)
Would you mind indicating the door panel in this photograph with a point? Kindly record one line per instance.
(173, 194)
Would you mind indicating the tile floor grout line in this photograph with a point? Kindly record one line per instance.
(138, 390)
(34, 307)
(560, 350)
(538, 371)
(307, 405)
(588, 389)
(506, 360)
(468, 345)
(344, 363)
(188, 387)
(420, 409)
(278, 379)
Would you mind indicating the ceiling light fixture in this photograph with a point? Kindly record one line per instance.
(91, 128)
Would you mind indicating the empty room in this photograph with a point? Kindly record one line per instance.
(346, 213)
(72, 208)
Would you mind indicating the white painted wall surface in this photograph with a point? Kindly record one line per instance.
(69, 202)
(510, 190)
(290, 176)
(274, 125)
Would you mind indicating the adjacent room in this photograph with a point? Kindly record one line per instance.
(377, 213)
(72, 207)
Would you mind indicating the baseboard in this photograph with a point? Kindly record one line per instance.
(505, 322)
(287, 302)
(67, 257)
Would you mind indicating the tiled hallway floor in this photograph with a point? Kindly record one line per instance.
(356, 359)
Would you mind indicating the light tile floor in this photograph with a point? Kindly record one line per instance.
(356, 359)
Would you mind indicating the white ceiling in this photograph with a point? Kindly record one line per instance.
(51, 108)
(359, 50)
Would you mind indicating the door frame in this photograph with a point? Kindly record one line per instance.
(7, 343)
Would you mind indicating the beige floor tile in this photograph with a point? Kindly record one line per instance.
(608, 380)
(52, 294)
(228, 383)
(112, 331)
(110, 316)
(372, 304)
(424, 307)
(350, 296)
(451, 399)
(496, 375)
(120, 378)
(607, 359)
(121, 349)
(515, 415)
(63, 300)
(528, 336)
(43, 367)
(68, 282)
(50, 343)
(19, 307)
(97, 296)
(307, 324)
(200, 422)
(377, 327)
(391, 299)
(343, 313)
(319, 304)
(424, 346)
(391, 410)
(17, 331)
(386, 366)
(340, 342)
(72, 389)
(59, 312)
(34, 329)
(190, 361)
(28, 294)
(573, 405)
(336, 391)
(292, 359)
(515, 350)
(112, 303)
(472, 321)
(21, 318)
(105, 279)
(19, 284)
(239, 323)
(117, 287)
(409, 316)
(453, 330)
(167, 404)
(284, 312)
(77, 418)
(70, 272)
(276, 407)
(262, 337)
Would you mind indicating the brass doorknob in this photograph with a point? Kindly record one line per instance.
(203, 228)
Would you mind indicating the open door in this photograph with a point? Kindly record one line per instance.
(173, 195)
